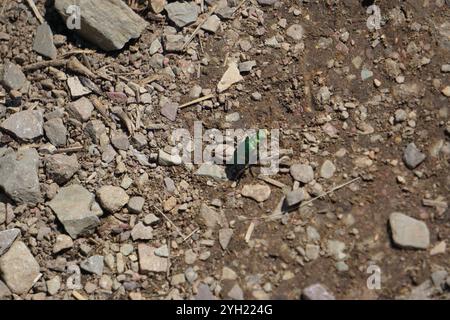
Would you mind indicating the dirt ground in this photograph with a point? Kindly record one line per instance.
(357, 127)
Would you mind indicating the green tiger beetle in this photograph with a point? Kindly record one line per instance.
(246, 155)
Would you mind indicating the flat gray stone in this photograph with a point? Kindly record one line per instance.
(43, 41)
(141, 232)
(109, 24)
(56, 132)
(302, 172)
(204, 293)
(413, 156)
(25, 125)
(136, 204)
(81, 109)
(327, 169)
(19, 176)
(170, 111)
(77, 89)
(257, 192)
(212, 170)
(94, 264)
(7, 238)
(112, 198)
(317, 292)
(18, 268)
(149, 261)
(61, 168)
(295, 197)
(120, 140)
(212, 24)
(225, 236)
(408, 232)
(76, 209)
(12, 77)
(295, 32)
(182, 13)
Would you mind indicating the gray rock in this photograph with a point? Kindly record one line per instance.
(56, 132)
(170, 111)
(317, 292)
(236, 293)
(336, 249)
(327, 170)
(413, 156)
(108, 153)
(302, 172)
(438, 278)
(7, 238)
(81, 109)
(190, 275)
(257, 192)
(212, 170)
(139, 141)
(25, 125)
(210, 217)
(151, 219)
(136, 204)
(296, 32)
(408, 232)
(149, 262)
(63, 242)
(173, 43)
(43, 41)
(166, 159)
(19, 269)
(19, 176)
(312, 251)
(162, 251)
(76, 210)
(94, 264)
(212, 24)
(61, 168)
(53, 285)
(182, 13)
(366, 74)
(12, 77)
(247, 66)
(141, 232)
(204, 293)
(294, 197)
(120, 140)
(225, 236)
(95, 129)
(109, 24)
(112, 198)
(225, 13)
(77, 89)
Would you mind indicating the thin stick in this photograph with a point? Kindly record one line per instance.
(250, 230)
(70, 149)
(274, 216)
(187, 104)
(199, 26)
(45, 64)
(272, 182)
(171, 222)
(78, 295)
(35, 11)
(190, 234)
